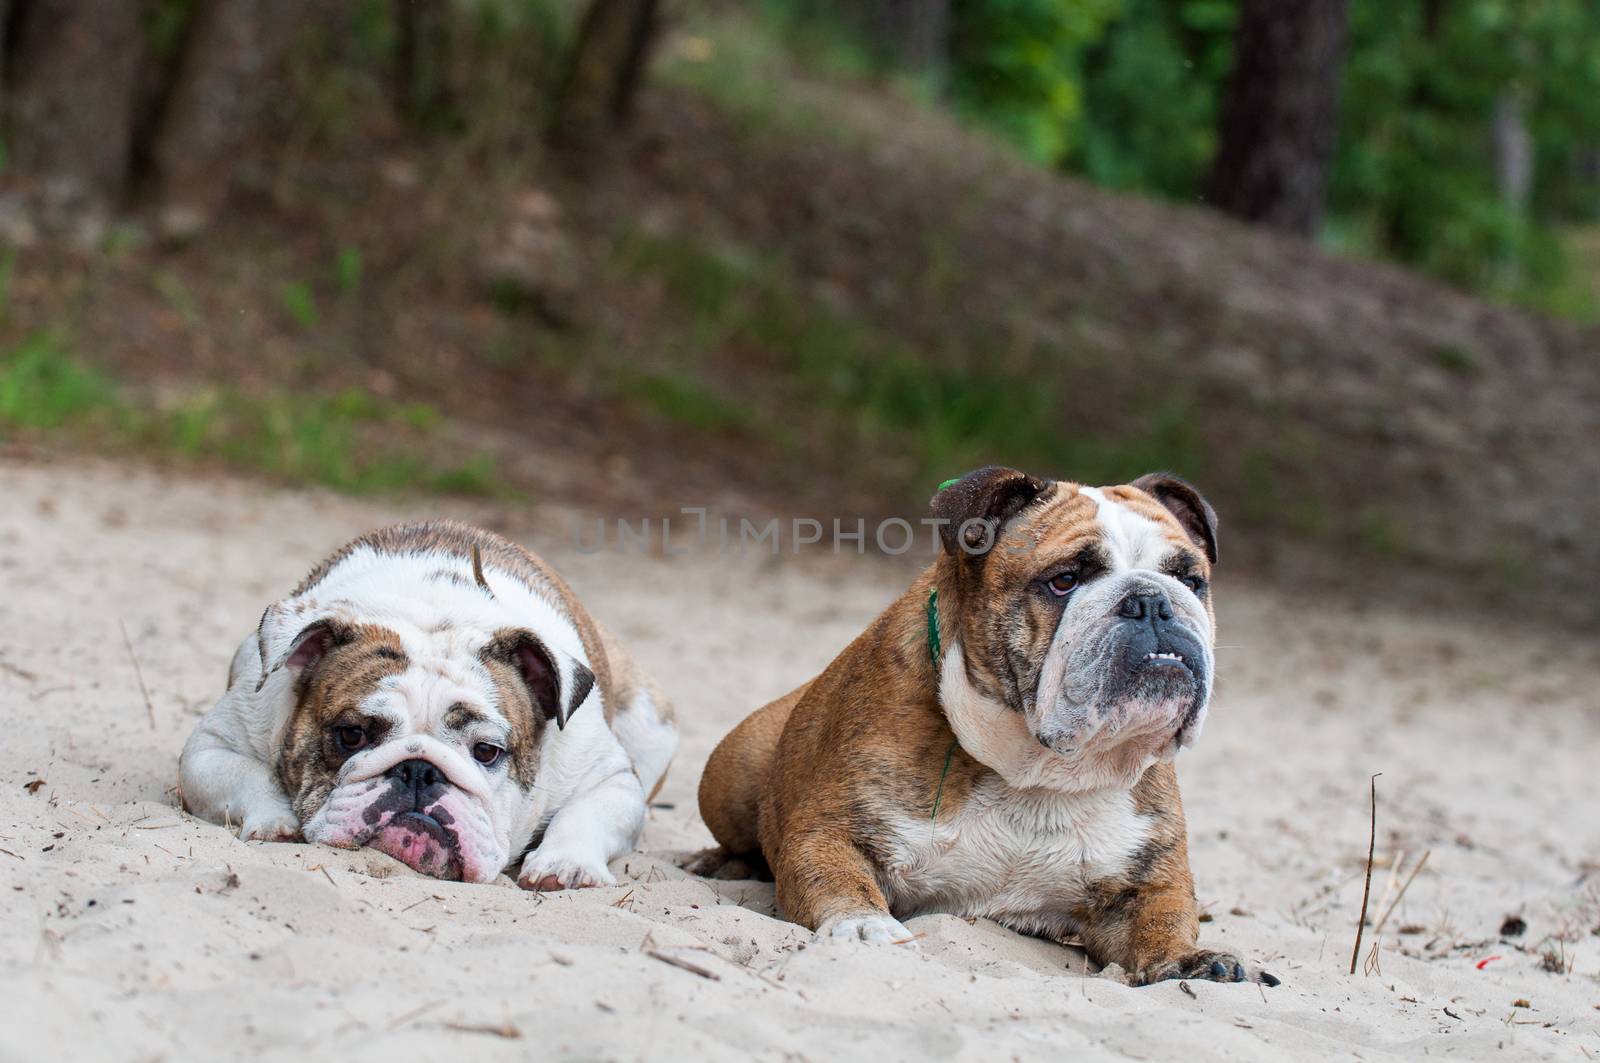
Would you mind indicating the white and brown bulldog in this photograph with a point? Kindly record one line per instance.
(999, 742)
(437, 693)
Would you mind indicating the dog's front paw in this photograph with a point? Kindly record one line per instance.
(875, 927)
(1205, 965)
(545, 872)
(276, 825)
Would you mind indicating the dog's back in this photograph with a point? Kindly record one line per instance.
(739, 768)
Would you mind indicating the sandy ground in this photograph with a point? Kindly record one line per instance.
(130, 932)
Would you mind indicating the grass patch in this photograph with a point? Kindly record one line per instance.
(1456, 358)
(346, 440)
(299, 302)
(347, 270)
(686, 402)
(867, 388)
(41, 389)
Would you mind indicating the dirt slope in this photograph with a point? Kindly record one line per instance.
(1344, 399)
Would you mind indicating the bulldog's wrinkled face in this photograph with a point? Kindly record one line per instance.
(1090, 614)
(423, 746)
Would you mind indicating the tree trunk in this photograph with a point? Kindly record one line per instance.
(603, 73)
(1513, 151)
(8, 10)
(422, 60)
(1279, 121)
(72, 81)
(213, 102)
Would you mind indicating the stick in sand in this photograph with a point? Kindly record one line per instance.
(138, 672)
(1387, 912)
(1366, 890)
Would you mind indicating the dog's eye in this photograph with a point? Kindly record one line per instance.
(1063, 585)
(1194, 583)
(486, 753)
(349, 738)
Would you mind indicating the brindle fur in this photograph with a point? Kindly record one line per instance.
(811, 782)
(360, 656)
(615, 673)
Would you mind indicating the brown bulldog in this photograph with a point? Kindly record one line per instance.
(999, 742)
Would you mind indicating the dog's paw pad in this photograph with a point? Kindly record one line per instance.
(874, 928)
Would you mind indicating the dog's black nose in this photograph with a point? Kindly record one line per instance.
(1146, 605)
(419, 776)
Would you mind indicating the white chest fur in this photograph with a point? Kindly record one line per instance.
(1022, 848)
(1022, 857)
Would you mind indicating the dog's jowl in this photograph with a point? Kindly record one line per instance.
(438, 693)
(1000, 741)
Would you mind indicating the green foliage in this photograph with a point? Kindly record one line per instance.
(300, 303)
(1152, 90)
(1128, 93)
(346, 440)
(1414, 175)
(1017, 65)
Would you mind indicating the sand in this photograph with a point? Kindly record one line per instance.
(129, 931)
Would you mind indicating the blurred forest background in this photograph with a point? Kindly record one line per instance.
(1336, 260)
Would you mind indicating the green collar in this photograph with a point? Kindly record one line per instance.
(934, 654)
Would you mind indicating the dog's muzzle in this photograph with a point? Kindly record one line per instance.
(1158, 656)
(412, 824)
(414, 809)
(1130, 664)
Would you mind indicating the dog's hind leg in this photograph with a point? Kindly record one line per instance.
(730, 791)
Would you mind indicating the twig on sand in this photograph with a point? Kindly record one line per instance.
(1387, 912)
(138, 672)
(505, 1029)
(401, 1020)
(1366, 890)
(692, 968)
(20, 673)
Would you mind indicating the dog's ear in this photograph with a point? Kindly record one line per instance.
(1184, 502)
(973, 509)
(557, 682)
(300, 652)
